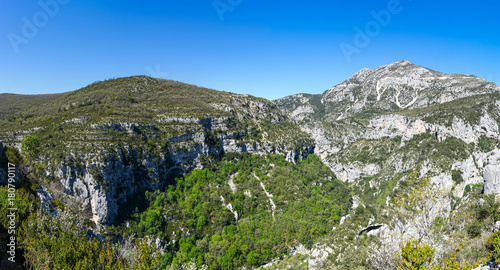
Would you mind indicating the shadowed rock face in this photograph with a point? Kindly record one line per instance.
(3, 155)
(371, 228)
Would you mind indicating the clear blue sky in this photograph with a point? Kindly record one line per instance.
(265, 48)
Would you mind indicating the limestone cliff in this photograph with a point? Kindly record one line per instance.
(109, 140)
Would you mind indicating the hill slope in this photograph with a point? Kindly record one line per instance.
(112, 138)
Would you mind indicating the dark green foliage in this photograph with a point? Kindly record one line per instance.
(486, 144)
(488, 208)
(456, 176)
(474, 229)
(470, 188)
(212, 139)
(486, 211)
(13, 155)
(442, 154)
(469, 109)
(31, 146)
(55, 243)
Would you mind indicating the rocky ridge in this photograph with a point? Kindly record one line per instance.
(397, 86)
(102, 159)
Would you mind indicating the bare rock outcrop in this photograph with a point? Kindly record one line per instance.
(491, 173)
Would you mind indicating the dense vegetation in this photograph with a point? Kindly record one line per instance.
(243, 210)
(196, 213)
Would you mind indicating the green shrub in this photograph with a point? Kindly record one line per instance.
(486, 144)
(416, 255)
(493, 244)
(31, 146)
(470, 188)
(13, 155)
(456, 176)
(474, 229)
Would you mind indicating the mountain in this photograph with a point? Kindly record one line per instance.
(209, 179)
(380, 128)
(397, 86)
(399, 99)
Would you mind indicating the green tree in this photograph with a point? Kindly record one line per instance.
(253, 258)
(31, 146)
(456, 176)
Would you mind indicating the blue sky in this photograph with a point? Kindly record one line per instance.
(265, 48)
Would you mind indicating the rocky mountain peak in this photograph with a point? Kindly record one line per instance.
(400, 85)
(399, 67)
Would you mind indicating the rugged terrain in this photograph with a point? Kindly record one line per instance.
(379, 125)
(338, 180)
(113, 138)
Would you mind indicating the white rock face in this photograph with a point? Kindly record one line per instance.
(269, 195)
(470, 173)
(351, 172)
(231, 182)
(491, 173)
(129, 127)
(393, 87)
(300, 112)
(229, 207)
(78, 120)
(393, 125)
(317, 254)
